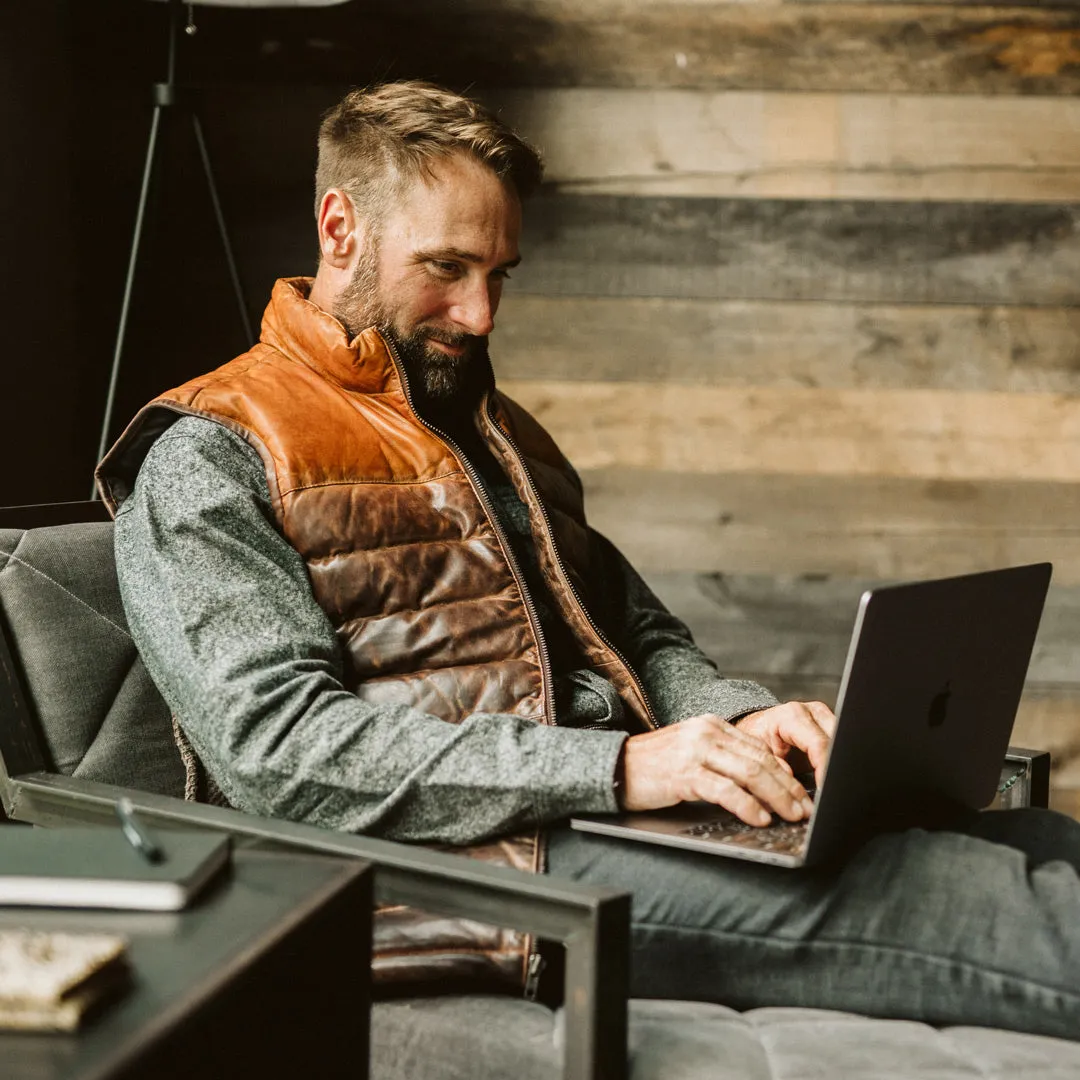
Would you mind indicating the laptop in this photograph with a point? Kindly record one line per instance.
(930, 689)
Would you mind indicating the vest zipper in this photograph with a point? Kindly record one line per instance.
(546, 679)
(533, 970)
(649, 714)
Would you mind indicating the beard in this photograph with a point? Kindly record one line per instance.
(440, 377)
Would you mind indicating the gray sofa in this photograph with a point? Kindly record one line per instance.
(80, 721)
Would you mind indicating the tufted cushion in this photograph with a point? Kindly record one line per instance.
(99, 713)
(489, 1038)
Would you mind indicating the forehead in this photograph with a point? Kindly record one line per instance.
(463, 205)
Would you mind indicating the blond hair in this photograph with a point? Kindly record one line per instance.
(376, 142)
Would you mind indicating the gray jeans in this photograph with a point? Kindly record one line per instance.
(979, 924)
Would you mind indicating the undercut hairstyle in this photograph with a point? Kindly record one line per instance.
(377, 142)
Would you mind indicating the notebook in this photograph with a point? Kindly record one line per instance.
(930, 689)
(99, 868)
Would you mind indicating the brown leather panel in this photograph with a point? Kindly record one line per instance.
(329, 520)
(411, 577)
(402, 930)
(557, 522)
(518, 851)
(409, 944)
(500, 960)
(527, 433)
(450, 636)
(453, 694)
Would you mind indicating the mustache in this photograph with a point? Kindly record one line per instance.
(455, 339)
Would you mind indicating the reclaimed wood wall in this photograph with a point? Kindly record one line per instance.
(799, 298)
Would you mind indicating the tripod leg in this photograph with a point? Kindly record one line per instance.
(125, 308)
(245, 318)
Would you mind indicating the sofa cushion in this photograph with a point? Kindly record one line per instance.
(100, 715)
(492, 1038)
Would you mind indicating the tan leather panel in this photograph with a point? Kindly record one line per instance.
(511, 686)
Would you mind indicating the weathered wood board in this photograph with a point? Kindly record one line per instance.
(801, 626)
(974, 254)
(890, 47)
(808, 344)
(848, 526)
(896, 252)
(802, 145)
(956, 435)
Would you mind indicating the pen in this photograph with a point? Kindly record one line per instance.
(136, 834)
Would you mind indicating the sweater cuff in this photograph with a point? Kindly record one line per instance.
(730, 699)
(579, 772)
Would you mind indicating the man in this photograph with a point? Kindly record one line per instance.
(364, 581)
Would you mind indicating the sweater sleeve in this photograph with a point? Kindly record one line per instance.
(220, 606)
(680, 680)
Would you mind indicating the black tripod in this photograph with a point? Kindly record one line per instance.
(168, 98)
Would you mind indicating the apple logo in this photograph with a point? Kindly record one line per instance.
(939, 704)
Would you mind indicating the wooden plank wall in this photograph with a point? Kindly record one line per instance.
(802, 306)
(799, 299)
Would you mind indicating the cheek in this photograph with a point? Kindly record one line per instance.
(422, 300)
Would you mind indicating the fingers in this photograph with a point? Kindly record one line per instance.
(706, 758)
(751, 783)
(807, 726)
(811, 729)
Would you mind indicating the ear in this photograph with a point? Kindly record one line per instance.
(340, 229)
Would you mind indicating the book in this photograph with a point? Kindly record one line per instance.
(49, 981)
(100, 868)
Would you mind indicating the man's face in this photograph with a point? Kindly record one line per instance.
(433, 280)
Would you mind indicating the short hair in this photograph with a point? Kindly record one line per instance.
(377, 141)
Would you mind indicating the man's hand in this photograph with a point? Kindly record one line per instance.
(743, 769)
(805, 727)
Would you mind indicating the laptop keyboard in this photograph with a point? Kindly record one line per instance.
(784, 837)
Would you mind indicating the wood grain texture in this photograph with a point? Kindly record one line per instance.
(956, 435)
(974, 254)
(891, 47)
(801, 626)
(895, 252)
(847, 526)
(808, 145)
(808, 344)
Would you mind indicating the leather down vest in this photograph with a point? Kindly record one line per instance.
(405, 558)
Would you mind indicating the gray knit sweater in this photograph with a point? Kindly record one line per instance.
(220, 606)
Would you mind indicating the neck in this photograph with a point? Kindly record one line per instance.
(324, 291)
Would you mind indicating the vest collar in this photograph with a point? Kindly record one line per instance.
(293, 325)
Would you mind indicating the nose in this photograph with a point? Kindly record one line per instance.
(475, 306)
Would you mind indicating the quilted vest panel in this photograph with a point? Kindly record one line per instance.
(403, 557)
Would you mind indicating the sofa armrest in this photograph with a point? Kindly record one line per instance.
(592, 922)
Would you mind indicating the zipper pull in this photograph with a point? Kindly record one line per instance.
(532, 975)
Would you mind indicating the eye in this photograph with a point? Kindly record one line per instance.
(445, 268)
(501, 275)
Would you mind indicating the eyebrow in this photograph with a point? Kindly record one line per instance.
(462, 256)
